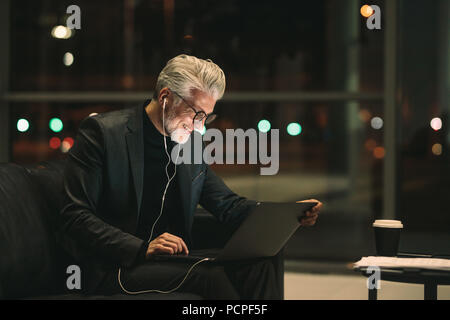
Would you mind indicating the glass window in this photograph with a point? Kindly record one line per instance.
(337, 157)
(424, 168)
(46, 131)
(290, 45)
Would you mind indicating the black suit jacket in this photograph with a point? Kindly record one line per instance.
(103, 184)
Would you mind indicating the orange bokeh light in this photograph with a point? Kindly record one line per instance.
(437, 149)
(379, 152)
(366, 11)
(364, 115)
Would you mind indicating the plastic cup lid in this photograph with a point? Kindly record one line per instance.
(388, 224)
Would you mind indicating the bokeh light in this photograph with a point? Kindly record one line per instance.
(69, 140)
(376, 123)
(23, 125)
(436, 149)
(66, 144)
(364, 115)
(68, 59)
(128, 81)
(54, 143)
(436, 124)
(366, 11)
(264, 125)
(370, 144)
(61, 32)
(56, 125)
(379, 152)
(294, 129)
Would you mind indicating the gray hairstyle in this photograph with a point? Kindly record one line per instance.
(184, 73)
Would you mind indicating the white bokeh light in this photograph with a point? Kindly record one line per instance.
(23, 125)
(61, 32)
(436, 124)
(68, 59)
(376, 123)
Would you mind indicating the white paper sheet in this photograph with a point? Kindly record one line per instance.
(393, 262)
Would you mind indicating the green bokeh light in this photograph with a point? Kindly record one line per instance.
(55, 124)
(264, 125)
(294, 129)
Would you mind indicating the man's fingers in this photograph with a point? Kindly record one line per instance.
(310, 220)
(185, 248)
(313, 216)
(173, 239)
(318, 206)
(307, 215)
(175, 242)
(314, 209)
(160, 248)
(311, 213)
(171, 244)
(183, 245)
(180, 243)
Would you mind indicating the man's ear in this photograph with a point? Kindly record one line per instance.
(163, 101)
(163, 97)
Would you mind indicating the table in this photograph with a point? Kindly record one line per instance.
(429, 278)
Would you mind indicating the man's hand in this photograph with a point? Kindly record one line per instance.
(166, 244)
(310, 217)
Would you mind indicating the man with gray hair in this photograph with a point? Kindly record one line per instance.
(125, 201)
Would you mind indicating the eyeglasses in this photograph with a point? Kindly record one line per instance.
(199, 115)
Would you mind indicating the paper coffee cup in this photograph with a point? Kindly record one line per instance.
(387, 236)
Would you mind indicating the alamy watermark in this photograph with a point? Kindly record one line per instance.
(373, 14)
(74, 20)
(74, 279)
(373, 281)
(221, 150)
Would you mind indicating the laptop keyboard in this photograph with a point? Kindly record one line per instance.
(194, 255)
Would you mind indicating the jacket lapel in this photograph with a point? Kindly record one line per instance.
(135, 145)
(184, 183)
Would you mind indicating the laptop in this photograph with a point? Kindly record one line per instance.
(264, 232)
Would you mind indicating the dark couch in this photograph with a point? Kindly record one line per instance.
(32, 264)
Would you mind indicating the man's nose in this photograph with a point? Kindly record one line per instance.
(199, 124)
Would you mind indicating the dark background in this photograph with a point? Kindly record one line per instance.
(319, 52)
